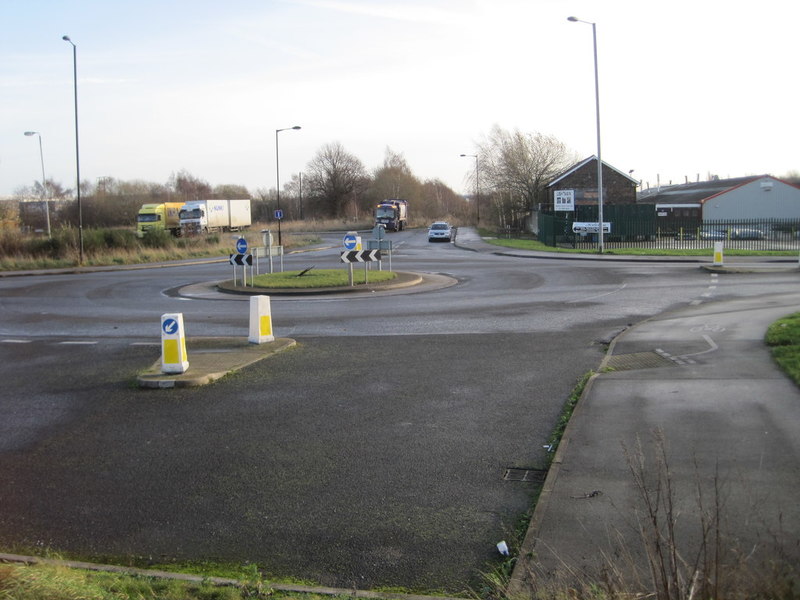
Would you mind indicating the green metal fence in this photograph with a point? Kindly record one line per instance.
(639, 227)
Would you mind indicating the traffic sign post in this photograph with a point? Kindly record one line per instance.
(354, 256)
(173, 344)
(590, 227)
(243, 260)
(269, 252)
(381, 244)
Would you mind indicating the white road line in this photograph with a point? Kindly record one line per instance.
(16, 341)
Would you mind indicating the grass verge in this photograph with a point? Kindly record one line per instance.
(50, 582)
(783, 338)
(536, 245)
(320, 278)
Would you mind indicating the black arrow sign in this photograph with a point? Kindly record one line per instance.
(241, 259)
(361, 256)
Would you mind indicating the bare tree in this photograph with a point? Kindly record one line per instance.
(394, 179)
(516, 167)
(189, 187)
(336, 178)
(230, 191)
(439, 202)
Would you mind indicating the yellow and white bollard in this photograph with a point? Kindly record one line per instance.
(260, 320)
(173, 344)
(718, 254)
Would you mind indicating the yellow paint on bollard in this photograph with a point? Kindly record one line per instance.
(260, 320)
(173, 344)
(266, 326)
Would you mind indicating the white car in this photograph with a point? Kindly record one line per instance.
(440, 230)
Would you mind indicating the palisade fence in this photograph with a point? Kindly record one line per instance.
(634, 228)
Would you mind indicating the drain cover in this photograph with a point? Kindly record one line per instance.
(525, 475)
(638, 360)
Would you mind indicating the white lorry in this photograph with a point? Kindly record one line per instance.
(204, 216)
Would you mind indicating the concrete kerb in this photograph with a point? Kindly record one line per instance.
(211, 359)
(403, 280)
(527, 551)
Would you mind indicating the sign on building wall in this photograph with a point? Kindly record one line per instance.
(564, 200)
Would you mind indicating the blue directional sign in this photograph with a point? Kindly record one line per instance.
(350, 241)
(278, 214)
(170, 326)
(241, 245)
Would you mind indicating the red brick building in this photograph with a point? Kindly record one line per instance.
(581, 178)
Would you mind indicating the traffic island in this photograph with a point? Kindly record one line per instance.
(211, 359)
(401, 280)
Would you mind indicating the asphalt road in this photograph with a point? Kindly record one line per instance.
(371, 455)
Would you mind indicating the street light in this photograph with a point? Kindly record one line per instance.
(77, 145)
(278, 175)
(44, 181)
(599, 158)
(477, 186)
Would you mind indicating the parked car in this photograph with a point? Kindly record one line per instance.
(738, 233)
(440, 230)
(712, 234)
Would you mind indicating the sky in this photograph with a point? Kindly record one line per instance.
(688, 88)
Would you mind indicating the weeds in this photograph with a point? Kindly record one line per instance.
(687, 552)
(113, 247)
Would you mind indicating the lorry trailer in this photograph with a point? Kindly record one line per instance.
(205, 216)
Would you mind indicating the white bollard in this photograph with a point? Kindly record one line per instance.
(718, 254)
(260, 320)
(173, 344)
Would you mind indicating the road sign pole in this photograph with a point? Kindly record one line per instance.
(350, 270)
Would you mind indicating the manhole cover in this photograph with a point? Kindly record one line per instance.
(638, 360)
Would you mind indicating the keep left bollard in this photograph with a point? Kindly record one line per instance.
(718, 251)
(173, 344)
(260, 320)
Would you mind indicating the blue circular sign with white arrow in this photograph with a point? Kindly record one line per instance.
(170, 326)
(350, 241)
(241, 245)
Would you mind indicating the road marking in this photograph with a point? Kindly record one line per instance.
(16, 341)
(707, 327)
(78, 343)
(620, 288)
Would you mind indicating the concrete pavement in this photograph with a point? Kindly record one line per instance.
(701, 384)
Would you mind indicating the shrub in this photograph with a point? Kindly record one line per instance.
(158, 238)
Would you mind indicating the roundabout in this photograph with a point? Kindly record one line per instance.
(404, 281)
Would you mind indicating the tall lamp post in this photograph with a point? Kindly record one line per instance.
(278, 175)
(77, 145)
(477, 186)
(599, 158)
(44, 181)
